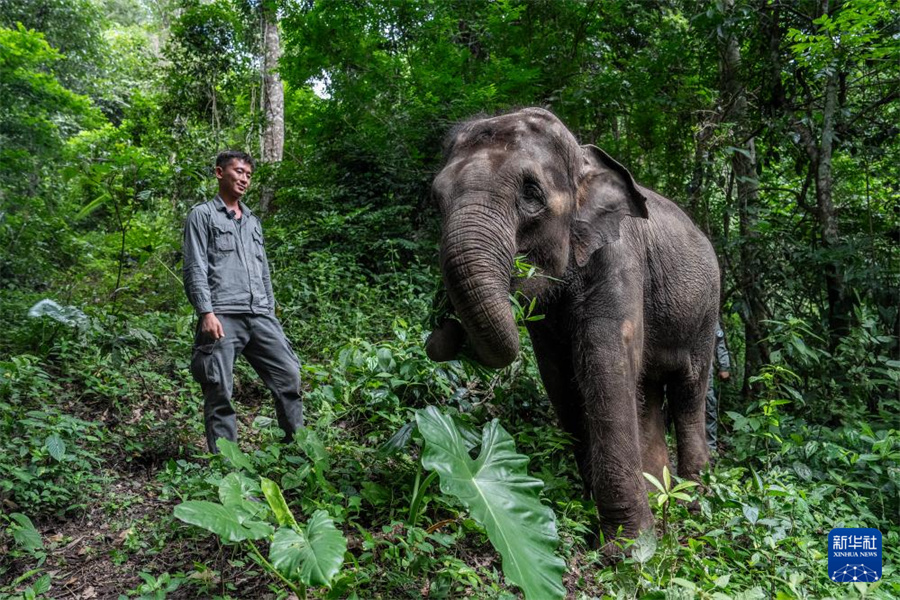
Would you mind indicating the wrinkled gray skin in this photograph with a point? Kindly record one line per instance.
(634, 309)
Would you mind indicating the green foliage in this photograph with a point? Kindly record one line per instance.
(832, 384)
(759, 531)
(38, 588)
(300, 555)
(231, 523)
(39, 114)
(25, 534)
(207, 62)
(312, 554)
(496, 489)
(50, 465)
(74, 28)
(156, 588)
(113, 111)
(666, 496)
(41, 110)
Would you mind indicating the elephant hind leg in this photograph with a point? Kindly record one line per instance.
(687, 401)
(654, 453)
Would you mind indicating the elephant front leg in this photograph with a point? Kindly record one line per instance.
(554, 360)
(607, 377)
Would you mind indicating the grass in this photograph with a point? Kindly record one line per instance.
(123, 405)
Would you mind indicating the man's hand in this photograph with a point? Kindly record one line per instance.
(724, 375)
(211, 326)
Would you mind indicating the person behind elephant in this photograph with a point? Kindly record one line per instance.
(723, 359)
(627, 284)
(227, 280)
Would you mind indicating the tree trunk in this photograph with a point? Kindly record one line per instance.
(840, 306)
(819, 146)
(698, 209)
(272, 141)
(743, 163)
(754, 312)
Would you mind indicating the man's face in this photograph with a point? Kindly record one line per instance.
(234, 178)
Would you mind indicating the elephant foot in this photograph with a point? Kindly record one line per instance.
(615, 551)
(615, 546)
(693, 507)
(612, 553)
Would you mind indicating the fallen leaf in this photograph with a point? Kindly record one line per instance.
(120, 539)
(88, 593)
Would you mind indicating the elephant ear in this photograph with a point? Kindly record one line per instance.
(607, 194)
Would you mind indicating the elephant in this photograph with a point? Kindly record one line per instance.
(629, 290)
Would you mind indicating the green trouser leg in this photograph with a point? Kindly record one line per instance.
(261, 340)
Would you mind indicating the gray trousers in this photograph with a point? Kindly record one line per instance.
(261, 340)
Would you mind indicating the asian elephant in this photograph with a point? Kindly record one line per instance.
(630, 293)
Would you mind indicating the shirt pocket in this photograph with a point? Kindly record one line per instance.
(223, 239)
(258, 242)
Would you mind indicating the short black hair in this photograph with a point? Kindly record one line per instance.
(224, 158)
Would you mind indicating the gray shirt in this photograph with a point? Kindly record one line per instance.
(225, 264)
(722, 356)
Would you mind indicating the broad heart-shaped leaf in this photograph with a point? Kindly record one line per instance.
(312, 554)
(228, 522)
(502, 497)
(276, 501)
(236, 490)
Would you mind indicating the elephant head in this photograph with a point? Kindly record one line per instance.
(519, 184)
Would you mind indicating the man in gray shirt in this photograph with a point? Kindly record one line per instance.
(227, 280)
(712, 404)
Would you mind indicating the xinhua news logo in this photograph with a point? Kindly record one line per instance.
(854, 555)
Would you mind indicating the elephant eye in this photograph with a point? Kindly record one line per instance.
(531, 197)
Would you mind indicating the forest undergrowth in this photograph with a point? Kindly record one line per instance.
(101, 424)
(772, 124)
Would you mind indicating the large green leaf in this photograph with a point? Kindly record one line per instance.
(235, 488)
(56, 447)
(228, 522)
(499, 494)
(233, 453)
(277, 503)
(312, 554)
(237, 491)
(309, 441)
(25, 533)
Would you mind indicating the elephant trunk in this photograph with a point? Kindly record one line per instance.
(476, 262)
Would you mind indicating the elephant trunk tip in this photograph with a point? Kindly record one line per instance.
(498, 362)
(446, 341)
(498, 356)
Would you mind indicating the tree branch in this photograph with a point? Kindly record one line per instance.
(894, 95)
